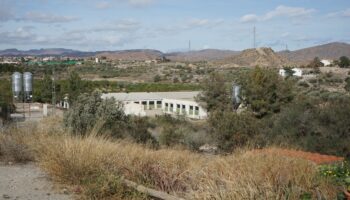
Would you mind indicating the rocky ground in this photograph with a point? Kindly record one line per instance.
(28, 182)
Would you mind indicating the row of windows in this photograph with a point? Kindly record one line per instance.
(152, 104)
(181, 109)
(169, 107)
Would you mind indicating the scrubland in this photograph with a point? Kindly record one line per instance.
(94, 167)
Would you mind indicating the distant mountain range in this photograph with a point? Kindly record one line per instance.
(327, 51)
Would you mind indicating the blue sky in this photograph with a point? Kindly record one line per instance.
(168, 25)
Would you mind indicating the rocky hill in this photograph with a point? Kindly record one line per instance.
(202, 55)
(326, 51)
(264, 57)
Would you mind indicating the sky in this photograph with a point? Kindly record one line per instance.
(169, 25)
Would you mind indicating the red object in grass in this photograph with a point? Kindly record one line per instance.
(313, 157)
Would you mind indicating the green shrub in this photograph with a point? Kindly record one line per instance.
(90, 111)
(231, 130)
(171, 136)
(319, 124)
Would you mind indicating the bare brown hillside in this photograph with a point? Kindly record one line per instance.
(326, 51)
(264, 57)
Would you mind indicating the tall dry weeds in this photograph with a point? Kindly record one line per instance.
(97, 164)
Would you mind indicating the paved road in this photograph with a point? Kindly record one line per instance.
(27, 182)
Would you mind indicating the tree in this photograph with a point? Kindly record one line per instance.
(75, 86)
(315, 63)
(215, 94)
(264, 91)
(344, 62)
(46, 90)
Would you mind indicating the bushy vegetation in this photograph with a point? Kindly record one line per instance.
(92, 114)
(276, 112)
(265, 92)
(98, 165)
(319, 125)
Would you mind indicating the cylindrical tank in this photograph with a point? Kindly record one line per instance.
(28, 85)
(16, 84)
(236, 90)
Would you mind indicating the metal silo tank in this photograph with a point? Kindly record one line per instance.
(236, 90)
(28, 85)
(16, 84)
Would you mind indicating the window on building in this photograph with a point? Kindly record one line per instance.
(166, 107)
(151, 105)
(159, 104)
(183, 109)
(178, 107)
(196, 112)
(144, 103)
(191, 110)
(171, 107)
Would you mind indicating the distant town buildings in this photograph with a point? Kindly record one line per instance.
(158, 103)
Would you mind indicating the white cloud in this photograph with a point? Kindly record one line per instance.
(342, 13)
(140, 3)
(285, 11)
(6, 10)
(103, 5)
(19, 36)
(201, 23)
(279, 11)
(46, 18)
(249, 18)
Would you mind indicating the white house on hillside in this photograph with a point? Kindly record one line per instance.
(296, 72)
(326, 62)
(158, 103)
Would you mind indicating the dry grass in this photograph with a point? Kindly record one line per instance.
(97, 164)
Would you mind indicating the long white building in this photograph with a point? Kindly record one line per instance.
(157, 103)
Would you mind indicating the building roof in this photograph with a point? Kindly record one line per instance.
(139, 96)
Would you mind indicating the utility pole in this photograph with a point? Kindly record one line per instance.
(254, 37)
(53, 91)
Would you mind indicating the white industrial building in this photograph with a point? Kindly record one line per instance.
(158, 103)
(296, 72)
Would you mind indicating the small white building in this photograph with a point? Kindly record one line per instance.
(296, 72)
(158, 103)
(97, 60)
(326, 62)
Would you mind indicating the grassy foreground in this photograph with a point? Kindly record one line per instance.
(96, 165)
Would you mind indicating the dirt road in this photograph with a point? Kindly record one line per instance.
(27, 182)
